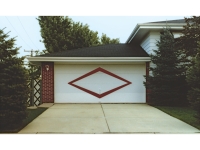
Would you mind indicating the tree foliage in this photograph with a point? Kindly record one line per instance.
(107, 40)
(191, 35)
(188, 45)
(193, 80)
(166, 84)
(82, 36)
(61, 33)
(55, 31)
(13, 84)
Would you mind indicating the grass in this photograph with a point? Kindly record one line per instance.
(32, 114)
(185, 114)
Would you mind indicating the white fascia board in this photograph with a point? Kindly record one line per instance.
(88, 59)
(161, 27)
(135, 30)
(154, 26)
(163, 24)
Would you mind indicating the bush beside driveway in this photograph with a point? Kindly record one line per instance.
(32, 114)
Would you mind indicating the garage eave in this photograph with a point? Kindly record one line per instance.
(142, 29)
(76, 60)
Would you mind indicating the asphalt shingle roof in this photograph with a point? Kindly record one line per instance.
(109, 50)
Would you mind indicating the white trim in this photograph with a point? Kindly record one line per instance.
(160, 27)
(135, 30)
(163, 24)
(88, 59)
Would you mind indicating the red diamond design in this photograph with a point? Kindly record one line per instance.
(102, 94)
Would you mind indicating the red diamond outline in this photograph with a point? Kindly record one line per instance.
(99, 69)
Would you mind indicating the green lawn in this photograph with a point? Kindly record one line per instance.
(185, 114)
(32, 114)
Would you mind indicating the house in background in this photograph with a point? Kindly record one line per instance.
(111, 73)
(147, 34)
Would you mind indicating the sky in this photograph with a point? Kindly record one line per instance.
(26, 29)
(115, 18)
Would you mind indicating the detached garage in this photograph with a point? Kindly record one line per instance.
(111, 73)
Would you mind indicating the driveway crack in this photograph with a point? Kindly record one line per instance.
(105, 117)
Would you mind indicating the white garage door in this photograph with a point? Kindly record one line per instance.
(99, 83)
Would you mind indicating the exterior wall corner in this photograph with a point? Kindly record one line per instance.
(47, 71)
(147, 74)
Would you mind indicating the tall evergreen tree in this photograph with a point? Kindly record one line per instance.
(193, 79)
(188, 42)
(13, 84)
(166, 84)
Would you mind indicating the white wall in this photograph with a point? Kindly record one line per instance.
(177, 34)
(145, 44)
(149, 42)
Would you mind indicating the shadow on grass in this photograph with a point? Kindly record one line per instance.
(185, 114)
(32, 114)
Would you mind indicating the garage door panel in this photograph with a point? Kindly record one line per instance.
(75, 98)
(131, 89)
(87, 98)
(73, 68)
(84, 98)
(138, 69)
(115, 68)
(99, 83)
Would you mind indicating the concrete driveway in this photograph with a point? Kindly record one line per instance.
(106, 118)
